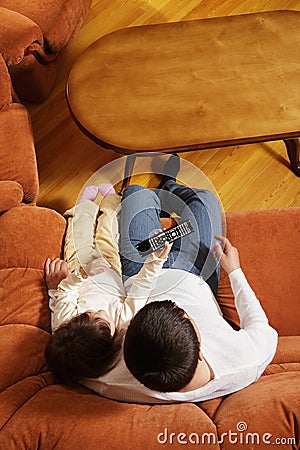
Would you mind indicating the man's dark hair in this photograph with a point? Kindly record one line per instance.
(161, 347)
(83, 348)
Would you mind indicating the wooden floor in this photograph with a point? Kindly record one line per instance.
(245, 177)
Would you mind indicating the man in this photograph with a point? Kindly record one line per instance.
(178, 347)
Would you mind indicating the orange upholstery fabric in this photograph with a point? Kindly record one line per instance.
(288, 349)
(11, 195)
(33, 81)
(18, 159)
(23, 233)
(98, 423)
(57, 19)
(5, 84)
(269, 408)
(17, 32)
(36, 413)
(34, 40)
(30, 342)
(269, 246)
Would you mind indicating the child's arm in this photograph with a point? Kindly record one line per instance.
(143, 283)
(63, 290)
(63, 287)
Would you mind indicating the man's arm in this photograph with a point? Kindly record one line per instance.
(253, 319)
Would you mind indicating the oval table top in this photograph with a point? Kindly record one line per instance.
(191, 85)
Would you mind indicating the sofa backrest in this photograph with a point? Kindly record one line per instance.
(269, 247)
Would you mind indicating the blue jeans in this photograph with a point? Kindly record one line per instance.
(141, 210)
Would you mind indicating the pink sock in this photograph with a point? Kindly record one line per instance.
(106, 189)
(88, 193)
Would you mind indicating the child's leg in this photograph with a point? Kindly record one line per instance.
(107, 231)
(79, 240)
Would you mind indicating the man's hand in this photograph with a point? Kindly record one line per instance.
(56, 270)
(229, 256)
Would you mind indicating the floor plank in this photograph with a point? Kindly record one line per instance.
(245, 177)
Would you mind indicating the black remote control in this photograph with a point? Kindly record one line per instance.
(156, 242)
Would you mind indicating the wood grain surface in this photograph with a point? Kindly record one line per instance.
(255, 176)
(194, 84)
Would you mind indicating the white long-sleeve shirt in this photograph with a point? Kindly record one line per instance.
(237, 358)
(105, 291)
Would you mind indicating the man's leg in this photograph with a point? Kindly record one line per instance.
(139, 218)
(203, 210)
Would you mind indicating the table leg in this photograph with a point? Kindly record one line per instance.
(293, 151)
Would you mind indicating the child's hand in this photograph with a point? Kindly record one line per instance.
(163, 253)
(56, 270)
(96, 266)
(229, 256)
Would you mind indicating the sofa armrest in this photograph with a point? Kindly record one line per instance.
(18, 158)
(58, 19)
(6, 90)
(17, 33)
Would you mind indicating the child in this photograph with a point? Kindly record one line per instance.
(87, 297)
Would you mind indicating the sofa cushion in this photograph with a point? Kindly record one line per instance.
(71, 417)
(16, 395)
(288, 350)
(28, 235)
(24, 298)
(22, 352)
(269, 408)
(11, 195)
(269, 247)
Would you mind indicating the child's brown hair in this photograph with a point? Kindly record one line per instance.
(83, 348)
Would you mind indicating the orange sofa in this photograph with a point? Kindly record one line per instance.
(34, 37)
(37, 413)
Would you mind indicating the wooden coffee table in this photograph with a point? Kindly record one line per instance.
(192, 85)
